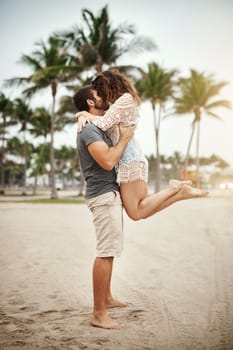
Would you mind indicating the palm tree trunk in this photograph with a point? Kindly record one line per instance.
(157, 169)
(35, 184)
(2, 183)
(99, 65)
(158, 148)
(188, 150)
(2, 153)
(197, 155)
(24, 191)
(52, 161)
(81, 185)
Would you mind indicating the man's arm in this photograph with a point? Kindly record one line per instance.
(107, 157)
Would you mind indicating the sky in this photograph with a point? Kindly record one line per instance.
(190, 34)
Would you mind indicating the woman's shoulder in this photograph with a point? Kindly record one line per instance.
(126, 98)
(127, 95)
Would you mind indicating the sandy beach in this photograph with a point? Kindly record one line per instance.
(176, 272)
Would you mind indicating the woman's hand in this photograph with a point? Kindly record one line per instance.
(85, 114)
(81, 123)
(83, 118)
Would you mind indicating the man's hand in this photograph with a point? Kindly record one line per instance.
(126, 131)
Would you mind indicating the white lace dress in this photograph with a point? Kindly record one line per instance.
(133, 165)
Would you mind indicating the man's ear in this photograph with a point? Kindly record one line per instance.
(90, 103)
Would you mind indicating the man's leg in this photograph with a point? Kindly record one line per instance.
(110, 302)
(107, 215)
(102, 270)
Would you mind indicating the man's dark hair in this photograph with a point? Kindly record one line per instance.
(81, 96)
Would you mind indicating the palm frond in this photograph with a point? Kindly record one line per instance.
(140, 44)
(29, 92)
(30, 61)
(214, 115)
(219, 103)
(214, 89)
(124, 28)
(170, 113)
(16, 82)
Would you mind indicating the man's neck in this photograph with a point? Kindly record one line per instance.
(97, 112)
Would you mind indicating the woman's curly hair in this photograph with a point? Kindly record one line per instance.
(111, 84)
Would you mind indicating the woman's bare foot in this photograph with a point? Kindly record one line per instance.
(177, 184)
(115, 303)
(102, 320)
(187, 192)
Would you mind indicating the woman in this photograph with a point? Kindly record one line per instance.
(132, 170)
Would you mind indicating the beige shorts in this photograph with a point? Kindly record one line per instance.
(108, 220)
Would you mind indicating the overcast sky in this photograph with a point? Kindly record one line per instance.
(189, 33)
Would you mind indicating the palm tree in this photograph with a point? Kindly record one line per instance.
(13, 172)
(218, 161)
(68, 163)
(40, 159)
(23, 114)
(40, 123)
(66, 107)
(74, 170)
(197, 95)
(157, 86)
(21, 150)
(97, 44)
(175, 162)
(6, 111)
(50, 66)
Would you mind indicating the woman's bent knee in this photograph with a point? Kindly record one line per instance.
(135, 216)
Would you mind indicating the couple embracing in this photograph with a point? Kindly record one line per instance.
(115, 171)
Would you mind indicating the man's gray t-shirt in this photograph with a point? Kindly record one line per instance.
(98, 180)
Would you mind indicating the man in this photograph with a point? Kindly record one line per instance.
(97, 159)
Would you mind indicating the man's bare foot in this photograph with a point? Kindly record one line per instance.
(187, 192)
(177, 184)
(102, 320)
(115, 303)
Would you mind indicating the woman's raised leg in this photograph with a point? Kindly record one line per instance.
(139, 205)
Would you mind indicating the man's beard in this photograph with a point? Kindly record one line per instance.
(102, 106)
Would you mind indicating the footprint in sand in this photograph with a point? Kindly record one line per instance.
(135, 314)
